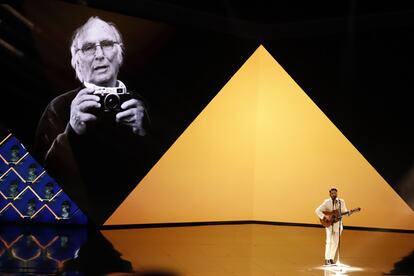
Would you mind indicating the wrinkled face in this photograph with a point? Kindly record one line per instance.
(333, 194)
(100, 65)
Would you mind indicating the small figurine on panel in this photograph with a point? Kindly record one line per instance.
(31, 207)
(13, 189)
(32, 170)
(15, 154)
(65, 209)
(49, 191)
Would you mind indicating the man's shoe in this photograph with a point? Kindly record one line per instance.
(327, 262)
(331, 262)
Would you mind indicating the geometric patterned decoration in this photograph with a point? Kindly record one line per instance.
(28, 193)
(43, 250)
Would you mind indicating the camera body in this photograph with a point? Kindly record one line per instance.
(111, 98)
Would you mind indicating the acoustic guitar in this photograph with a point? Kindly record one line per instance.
(334, 216)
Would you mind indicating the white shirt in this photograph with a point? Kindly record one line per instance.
(329, 206)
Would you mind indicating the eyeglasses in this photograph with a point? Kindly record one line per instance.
(89, 49)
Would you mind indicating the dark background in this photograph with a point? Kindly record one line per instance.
(353, 60)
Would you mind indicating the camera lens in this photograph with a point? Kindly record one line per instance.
(112, 101)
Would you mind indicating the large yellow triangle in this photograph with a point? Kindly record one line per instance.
(261, 150)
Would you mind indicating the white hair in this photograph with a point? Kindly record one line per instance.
(74, 47)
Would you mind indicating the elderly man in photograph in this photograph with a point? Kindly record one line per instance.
(92, 139)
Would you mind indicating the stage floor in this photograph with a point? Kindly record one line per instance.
(260, 250)
(239, 249)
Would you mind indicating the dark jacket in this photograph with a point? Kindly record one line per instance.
(97, 169)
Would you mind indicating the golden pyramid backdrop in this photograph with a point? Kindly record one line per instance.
(261, 150)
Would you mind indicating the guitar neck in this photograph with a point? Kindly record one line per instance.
(345, 213)
(350, 212)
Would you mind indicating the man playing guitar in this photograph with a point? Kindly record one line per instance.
(330, 213)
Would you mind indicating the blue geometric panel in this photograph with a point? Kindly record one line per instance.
(28, 193)
(12, 149)
(11, 185)
(3, 167)
(28, 168)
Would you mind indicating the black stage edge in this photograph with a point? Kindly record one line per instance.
(208, 223)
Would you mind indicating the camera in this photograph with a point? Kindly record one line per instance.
(111, 98)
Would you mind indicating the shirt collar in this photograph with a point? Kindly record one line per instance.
(91, 85)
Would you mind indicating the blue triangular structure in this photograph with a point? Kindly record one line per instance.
(27, 193)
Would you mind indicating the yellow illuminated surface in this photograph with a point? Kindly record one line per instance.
(261, 150)
(255, 250)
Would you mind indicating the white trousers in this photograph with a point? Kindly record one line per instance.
(332, 241)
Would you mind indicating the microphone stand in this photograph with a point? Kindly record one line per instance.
(340, 232)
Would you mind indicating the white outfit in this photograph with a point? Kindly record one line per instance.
(333, 231)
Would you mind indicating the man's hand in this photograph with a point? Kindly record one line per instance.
(80, 109)
(132, 115)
